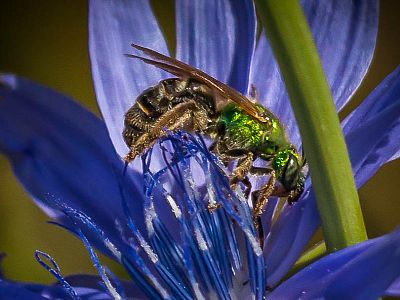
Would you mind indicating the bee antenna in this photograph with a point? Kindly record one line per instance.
(304, 162)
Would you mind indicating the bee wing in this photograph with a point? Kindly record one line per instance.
(183, 70)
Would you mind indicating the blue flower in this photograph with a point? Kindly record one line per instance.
(70, 162)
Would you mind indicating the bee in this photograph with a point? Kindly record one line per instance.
(241, 129)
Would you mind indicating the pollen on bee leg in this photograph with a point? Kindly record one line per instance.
(213, 206)
(130, 156)
(241, 170)
(264, 194)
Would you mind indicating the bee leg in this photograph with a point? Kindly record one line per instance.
(242, 169)
(260, 171)
(240, 172)
(260, 200)
(218, 149)
(176, 118)
(212, 206)
(214, 148)
(142, 143)
(257, 221)
(248, 186)
(264, 194)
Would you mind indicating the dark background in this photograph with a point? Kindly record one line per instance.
(47, 42)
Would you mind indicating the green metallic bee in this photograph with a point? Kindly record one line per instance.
(241, 129)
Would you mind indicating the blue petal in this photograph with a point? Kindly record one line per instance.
(118, 80)
(394, 289)
(395, 156)
(363, 271)
(370, 147)
(217, 37)
(372, 139)
(25, 291)
(12, 291)
(382, 97)
(383, 100)
(345, 35)
(92, 282)
(60, 152)
(288, 237)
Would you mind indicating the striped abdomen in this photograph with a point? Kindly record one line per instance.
(157, 100)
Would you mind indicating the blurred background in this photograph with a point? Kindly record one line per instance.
(46, 41)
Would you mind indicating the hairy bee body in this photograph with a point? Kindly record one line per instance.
(240, 134)
(156, 101)
(235, 132)
(241, 130)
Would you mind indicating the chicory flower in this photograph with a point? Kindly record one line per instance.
(165, 237)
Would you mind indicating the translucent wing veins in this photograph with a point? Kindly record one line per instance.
(183, 70)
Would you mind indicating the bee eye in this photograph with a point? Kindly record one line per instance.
(291, 172)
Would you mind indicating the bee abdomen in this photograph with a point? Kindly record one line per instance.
(154, 102)
(150, 105)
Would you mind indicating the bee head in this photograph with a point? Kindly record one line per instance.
(288, 168)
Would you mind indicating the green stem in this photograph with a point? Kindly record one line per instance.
(296, 53)
(308, 258)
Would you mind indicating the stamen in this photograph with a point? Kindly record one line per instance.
(54, 270)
